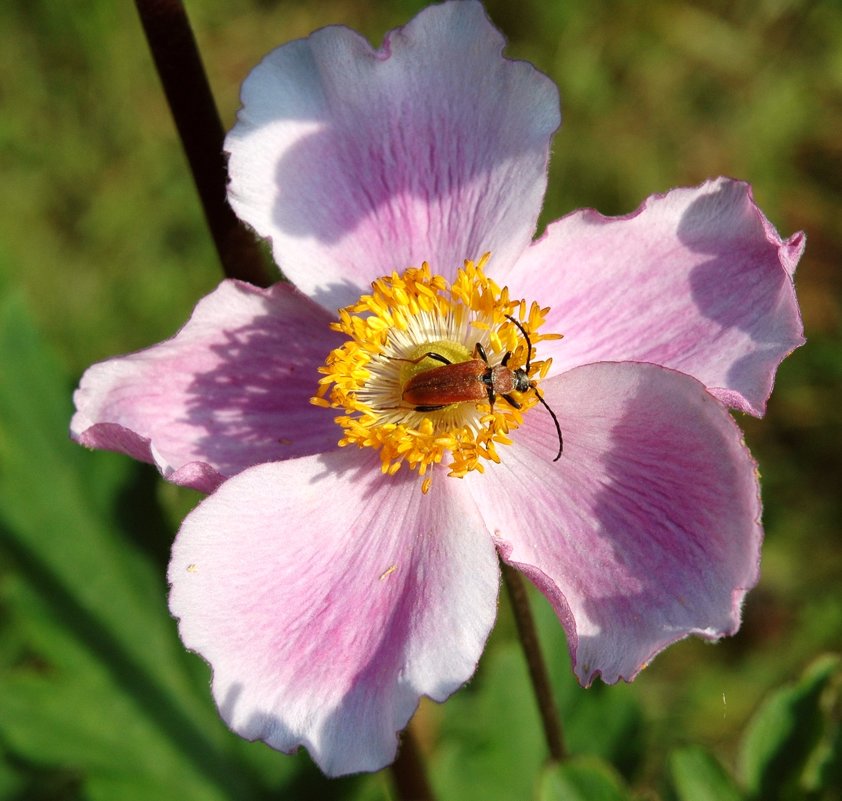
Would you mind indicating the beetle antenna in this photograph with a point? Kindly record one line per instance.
(555, 420)
(535, 389)
(528, 342)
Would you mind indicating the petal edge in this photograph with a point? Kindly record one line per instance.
(647, 530)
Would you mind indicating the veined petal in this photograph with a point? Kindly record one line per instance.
(647, 528)
(328, 598)
(356, 162)
(697, 280)
(230, 390)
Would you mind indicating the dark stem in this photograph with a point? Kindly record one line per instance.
(192, 105)
(535, 661)
(408, 770)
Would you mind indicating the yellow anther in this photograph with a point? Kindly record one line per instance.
(389, 333)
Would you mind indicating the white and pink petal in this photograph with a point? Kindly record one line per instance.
(230, 390)
(697, 280)
(646, 530)
(356, 162)
(329, 598)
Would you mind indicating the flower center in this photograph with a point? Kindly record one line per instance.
(432, 368)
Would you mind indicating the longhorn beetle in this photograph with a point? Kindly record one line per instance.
(473, 380)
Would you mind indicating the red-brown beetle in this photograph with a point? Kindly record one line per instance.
(473, 380)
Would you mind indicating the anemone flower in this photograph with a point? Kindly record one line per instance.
(376, 433)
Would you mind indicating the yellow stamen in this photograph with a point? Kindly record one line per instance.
(390, 331)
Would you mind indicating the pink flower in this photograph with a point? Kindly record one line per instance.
(325, 588)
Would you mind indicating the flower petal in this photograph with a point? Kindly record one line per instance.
(697, 280)
(647, 528)
(357, 162)
(328, 598)
(230, 390)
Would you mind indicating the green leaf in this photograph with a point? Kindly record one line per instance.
(95, 681)
(602, 720)
(784, 733)
(492, 743)
(827, 768)
(582, 779)
(696, 775)
(11, 783)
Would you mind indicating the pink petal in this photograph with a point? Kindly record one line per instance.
(230, 390)
(356, 162)
(697, 280)
(647, 528)
(328, 598)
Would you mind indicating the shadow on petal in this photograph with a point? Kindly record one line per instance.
(254, 405)
(359, 470)
(744, 284)
(741, 274)
(678, 538)
(356, 161)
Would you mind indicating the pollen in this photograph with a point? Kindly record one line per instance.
(415, 321)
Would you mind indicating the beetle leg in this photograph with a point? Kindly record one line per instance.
(512, 402)
(480, 351)
(429, 408)
(428, 355)
(492, 395)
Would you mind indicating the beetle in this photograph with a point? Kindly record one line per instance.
(473, 380)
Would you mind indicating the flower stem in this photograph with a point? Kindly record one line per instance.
(408, 770)
(535, 661)
(193, 108)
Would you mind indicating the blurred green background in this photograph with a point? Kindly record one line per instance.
(103, 249)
